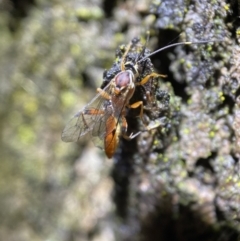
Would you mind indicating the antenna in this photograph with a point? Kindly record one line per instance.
(177, 44)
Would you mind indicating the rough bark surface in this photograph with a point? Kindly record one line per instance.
(177, 182)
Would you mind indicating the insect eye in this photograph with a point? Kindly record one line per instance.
(131, 67)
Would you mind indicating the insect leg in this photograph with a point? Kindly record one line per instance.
(146, 78)
(150, 127)
(124, 130)
(136, 105)
(103, 93)
(92, 111)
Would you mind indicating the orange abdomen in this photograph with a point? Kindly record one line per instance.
(111, 138)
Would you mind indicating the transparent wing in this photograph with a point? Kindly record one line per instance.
(91, 120)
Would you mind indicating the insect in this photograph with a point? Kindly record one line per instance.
(103, 118)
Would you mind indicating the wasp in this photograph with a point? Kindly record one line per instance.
(103, 119)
